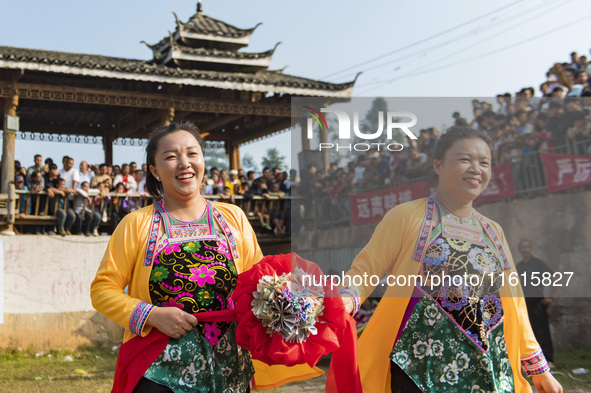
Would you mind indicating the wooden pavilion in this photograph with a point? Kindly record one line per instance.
(197, 73)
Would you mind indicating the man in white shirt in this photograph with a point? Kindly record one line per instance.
(70, 175)
(85, 174)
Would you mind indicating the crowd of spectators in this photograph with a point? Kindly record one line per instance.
(81, 199)
(522, 124)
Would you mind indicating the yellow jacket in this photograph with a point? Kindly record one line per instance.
(123, 265)
(390, 251)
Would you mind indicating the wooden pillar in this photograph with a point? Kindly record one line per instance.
(8, 139)
(325, 152)
(167, 116)
(235, 158)
(303, 126)
(233, 152)
(108, 147)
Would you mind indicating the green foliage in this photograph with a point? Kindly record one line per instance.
(248, 163)
(216, 156)
(274, 159)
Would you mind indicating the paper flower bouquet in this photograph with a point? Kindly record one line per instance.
(280, 319)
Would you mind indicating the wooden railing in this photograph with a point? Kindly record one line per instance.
(39, 208)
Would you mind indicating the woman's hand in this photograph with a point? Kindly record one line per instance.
(171, 321)
(348, 302)
(546, 383)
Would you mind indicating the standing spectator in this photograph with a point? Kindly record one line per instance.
(360, 169)
(35, 183)
(537, 304)
(125, 177)
(72, 178)
(59, 208)
(38, 159)
(19, 183)
(85, 173)
(133, 170)
(87, 220)
(116, 171)
(19, 169)
(141, 180)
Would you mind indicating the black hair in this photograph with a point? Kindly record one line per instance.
(454, 134)
(153, 186)
(37, 155)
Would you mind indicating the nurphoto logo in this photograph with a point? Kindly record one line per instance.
(394, 121)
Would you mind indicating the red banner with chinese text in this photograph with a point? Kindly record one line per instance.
(564, 171)
(500, 185)
(369, 207)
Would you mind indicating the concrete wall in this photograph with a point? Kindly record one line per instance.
(47, 293)
(559, 227)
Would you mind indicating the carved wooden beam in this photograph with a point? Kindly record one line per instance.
(29, 91)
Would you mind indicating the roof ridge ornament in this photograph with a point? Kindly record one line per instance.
(171, 38)
(177, 20)
(148, 45)
(199, 7)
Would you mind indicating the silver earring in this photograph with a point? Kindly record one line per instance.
(158, 178)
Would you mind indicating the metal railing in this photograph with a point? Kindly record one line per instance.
(327, 211)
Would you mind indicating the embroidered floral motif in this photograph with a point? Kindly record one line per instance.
(212, 333)
(432, 313)
(192, 247)
(442, 355)
(459, 245)
(138, 318)
(492, 310)
(534, 363)
(454, 298)
(450, 375)
(202, 275)
(482, 261)
(159, 273)
(172, 303)
(436, 253)
(461, 362)
(420, 349)
(205, 296)
(169, 249)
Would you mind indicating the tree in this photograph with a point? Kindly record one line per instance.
(274, 160)
(216, 156)
(248, 163)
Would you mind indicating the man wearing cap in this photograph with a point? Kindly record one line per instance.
(19, 183)
(232, 183)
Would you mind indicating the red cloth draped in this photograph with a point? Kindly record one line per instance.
(343, 373)
(137, 354)
(336, 333)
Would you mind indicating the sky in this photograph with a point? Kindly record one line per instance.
(427, 48)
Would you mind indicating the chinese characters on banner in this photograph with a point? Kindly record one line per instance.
(369, 207)
(500, 185)
(564, 171)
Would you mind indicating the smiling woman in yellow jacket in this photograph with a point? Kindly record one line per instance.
(458, 337)
(178, 257)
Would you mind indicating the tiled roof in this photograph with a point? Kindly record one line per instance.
(119, 68)
(203, 24)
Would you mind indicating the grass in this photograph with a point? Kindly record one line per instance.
(567, 360)
(91, 370)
